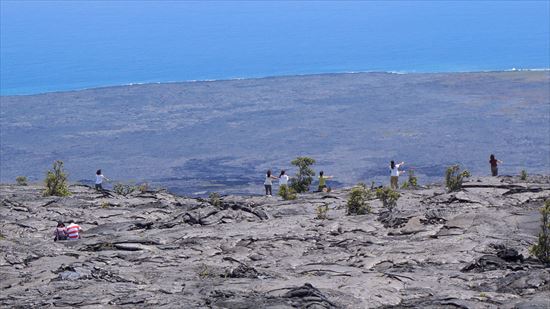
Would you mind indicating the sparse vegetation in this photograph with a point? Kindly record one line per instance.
(454, 177)
(301, 182)
(56, 181)
(523, 175)
(322, 211)
(21, 180)
(357, 202)
(412, 181)
(104, 205)
(204, 272)
(123, 189)
(214, 199)
(542, 248)
(388, 196)
(144, 187)
(287, 193)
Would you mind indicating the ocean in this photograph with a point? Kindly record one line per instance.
(56, 46)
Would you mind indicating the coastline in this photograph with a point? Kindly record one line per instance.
(267, 77)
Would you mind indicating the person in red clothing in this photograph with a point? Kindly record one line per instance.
(494, 165)
(73, 230)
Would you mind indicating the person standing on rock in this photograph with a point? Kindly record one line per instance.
(283, 178)
(99, 180)
(323, 182)
(268, 183)
(73, 230)
(394, 174)
(494, 165)
(60, 232)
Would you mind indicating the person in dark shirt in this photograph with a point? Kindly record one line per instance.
(60, 232)
(494, 165)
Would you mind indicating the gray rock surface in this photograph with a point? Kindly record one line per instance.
(466, 249)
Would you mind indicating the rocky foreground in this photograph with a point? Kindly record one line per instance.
(467, 249)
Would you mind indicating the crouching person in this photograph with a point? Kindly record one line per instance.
(60, 232)
(73, 231)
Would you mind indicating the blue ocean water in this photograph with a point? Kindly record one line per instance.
(65, 45)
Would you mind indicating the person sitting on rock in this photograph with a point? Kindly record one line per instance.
(60, 232)
(494, 165)
(394, 174)
(73, 230)
(322, 182)
(99, 180)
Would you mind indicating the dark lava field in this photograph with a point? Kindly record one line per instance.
(199, 137)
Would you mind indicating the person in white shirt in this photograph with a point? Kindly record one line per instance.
(283, 178)
(99, 180)
(268, 183)
(395, 172)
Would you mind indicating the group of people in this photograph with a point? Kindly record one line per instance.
(394, 176)
(283, 181)
(70, 232)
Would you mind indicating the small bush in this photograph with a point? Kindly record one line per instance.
(523, 175)
(454, 177)
(388, 197)
(357, 202)
(56, 181)
(215, 199)
(123, 189)
(287, 193)
(204, 272)
(542, 248)
(413, 181)
(304, 177)
(21, 180)
(144, 187)
(322, 211)
(104, 205)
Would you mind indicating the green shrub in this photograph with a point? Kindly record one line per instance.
(413, 181)
(204, 272)
(357, 202)
(322, 211)
(542, 248)
(56, 181)
(215, 199)
(454, 177)
(21, 180)
(523, 175)
(144, 187)
(301, 182)
(287, 193)
(123, 189)
(388, 197)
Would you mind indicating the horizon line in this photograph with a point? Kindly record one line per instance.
(270, 76)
